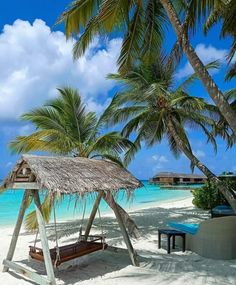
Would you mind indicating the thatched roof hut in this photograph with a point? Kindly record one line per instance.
(66, 175)
(177, 178)
(179, 175)
(71, 175)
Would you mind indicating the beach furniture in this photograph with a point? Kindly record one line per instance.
(213, 238)
(222, 211)
(69, 252)
(171, 234)
(66, 176)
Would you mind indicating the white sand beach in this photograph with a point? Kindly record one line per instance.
(107, 267)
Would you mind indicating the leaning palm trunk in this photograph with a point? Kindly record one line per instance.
(211, 87)
(227, 193)
(129, 223)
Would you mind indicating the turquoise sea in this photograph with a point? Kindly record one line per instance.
(72, 207)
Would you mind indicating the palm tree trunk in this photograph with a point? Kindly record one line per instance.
(227, 193)
(199, 68)
(129, 223)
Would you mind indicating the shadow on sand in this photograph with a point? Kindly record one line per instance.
(104, 264)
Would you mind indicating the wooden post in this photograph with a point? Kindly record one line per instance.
(17, 229)
(93, 214)
(44, 240)
(132, 252)
(26, 272)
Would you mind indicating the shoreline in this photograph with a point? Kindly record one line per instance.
(130, 209)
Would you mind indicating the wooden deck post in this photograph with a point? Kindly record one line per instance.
(132, 252)
(93, 214)
(17, 229)
(44, 240)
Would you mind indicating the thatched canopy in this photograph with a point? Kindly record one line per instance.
(71, 175)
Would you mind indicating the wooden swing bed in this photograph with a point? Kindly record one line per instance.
(70, 251)
(65, 175)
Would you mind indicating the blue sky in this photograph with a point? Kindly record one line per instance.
(35, 59)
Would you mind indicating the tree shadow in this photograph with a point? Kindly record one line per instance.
(152, 259)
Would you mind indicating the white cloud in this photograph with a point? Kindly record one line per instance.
(34, 61)
(199, 153)
(159, 162)
(9, 164)
(207, 54)
(163, 159)
(234, 168)
(160, 158)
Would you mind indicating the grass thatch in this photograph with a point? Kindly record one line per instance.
(72, 175)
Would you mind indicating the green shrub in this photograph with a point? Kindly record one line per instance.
(208, 196)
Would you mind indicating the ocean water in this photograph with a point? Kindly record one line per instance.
(74, 207)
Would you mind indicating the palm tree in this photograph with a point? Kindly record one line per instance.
(63, 126)
(215, 11)
(142, 23)
(155, 110)
(222, 128)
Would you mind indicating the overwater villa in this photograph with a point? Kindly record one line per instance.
(172, 178)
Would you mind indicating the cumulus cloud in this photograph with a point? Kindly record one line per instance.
(199, 153)
(207, 54)
(34, 61)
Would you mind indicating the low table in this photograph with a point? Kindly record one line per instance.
(171, 233)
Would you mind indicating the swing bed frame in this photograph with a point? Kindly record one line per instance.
(87, 245)
(84, 245)
(23, 177)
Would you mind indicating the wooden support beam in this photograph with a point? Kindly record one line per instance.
(44, 240)
(17, 228)
(132, 253)
(93, 214)
(25, 185)
(26, 272)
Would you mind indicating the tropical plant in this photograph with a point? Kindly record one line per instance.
(155, 109)
(64, 126)
(208, 196)
(142, 24)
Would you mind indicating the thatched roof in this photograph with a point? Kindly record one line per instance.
(178, 175)
(71, 175)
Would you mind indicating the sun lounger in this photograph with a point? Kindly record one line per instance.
(222, 211)
(213, 238)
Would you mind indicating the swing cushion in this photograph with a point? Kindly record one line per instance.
(70, 251)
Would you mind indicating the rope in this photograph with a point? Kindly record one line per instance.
(82, 222)
(103, 236)
(36, 237)
(55, 228)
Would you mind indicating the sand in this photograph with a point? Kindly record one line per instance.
(107, 267)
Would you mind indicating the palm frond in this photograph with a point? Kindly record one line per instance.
(78, 15)
(132, 41)
(31, 223)
(188, 81)
(112, 141)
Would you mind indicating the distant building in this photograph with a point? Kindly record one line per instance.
(231, 176)
(171, 178)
